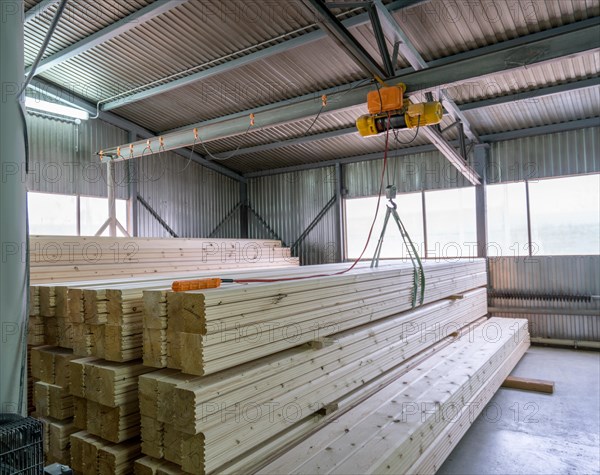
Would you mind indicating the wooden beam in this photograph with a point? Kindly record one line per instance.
(529, 384)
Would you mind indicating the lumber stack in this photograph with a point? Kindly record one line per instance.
(49, 368)
(65, 259)
(221, 328)
(412, 425)
(106, 415)
(237, 411)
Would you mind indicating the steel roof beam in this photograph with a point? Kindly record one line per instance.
(286, 143)
(58, 94)
(393, 29)
(38, 9)
(457, 114)
(286, 45)
(469, 106)
(549, 45)
(532, 94)
(402, 152)
(105, 34)
(448, 150)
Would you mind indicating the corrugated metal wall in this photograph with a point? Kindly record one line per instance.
(191, 199)
(288, 203)
(63, 156)
(423, 171)
(554, 276)
(566, 153)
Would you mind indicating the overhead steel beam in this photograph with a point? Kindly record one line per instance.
(404, 45)
(489, 138)
(344, 39)
(38, 9)
(295, 141)
(448, 150)
(542, 130)
(58, 94)
(469, 106)
(381, 41)
(115, 29)
(286, 45)
(457, 114)
(533, 94)
(549, 45)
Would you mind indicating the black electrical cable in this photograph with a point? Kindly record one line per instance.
(411, 140)
(233, 154)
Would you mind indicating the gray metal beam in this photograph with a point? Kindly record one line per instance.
(404, 45)
(286, 45)
(550, 45)
(437, 139)
(457, 114)
(14, 272)
(340, 34)
(518, 96)
(542, 130)
(56, 93)
(38, 9)
(105, 34)
(498, 137)
(388, 64)
(295, 141)
(481, 155)
(533, 94)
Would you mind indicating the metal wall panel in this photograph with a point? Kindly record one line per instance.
(552, 275)
(566, 153)
(190, 198)
(410, 173)
(289, 203)
(62, 156)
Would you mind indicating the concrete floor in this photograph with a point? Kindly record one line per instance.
(522, 432)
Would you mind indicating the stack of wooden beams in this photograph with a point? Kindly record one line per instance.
(225, 327)
(64, 259)
(107, 412)
(99, 318)
(349, 330)
(412, 425)
(53, 402)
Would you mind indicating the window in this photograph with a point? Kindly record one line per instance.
(507, 220)
(565, 215)
(94, 213)
(451, 228)
(52, 214)
(56, 214)
(359, 216)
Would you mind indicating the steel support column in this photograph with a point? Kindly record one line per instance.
(340, 228)
(133, 173)
(14, 281)
(481, 158)
(244, 221)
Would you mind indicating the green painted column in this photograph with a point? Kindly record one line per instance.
(13, 213)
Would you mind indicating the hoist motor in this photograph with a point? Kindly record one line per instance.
(388, 104)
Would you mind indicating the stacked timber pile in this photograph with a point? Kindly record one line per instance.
(413, 424)
(53, 402)
(60, 263)
(70, 258)
(97, 321)
(274, 360)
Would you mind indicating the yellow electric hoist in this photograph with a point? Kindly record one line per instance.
(389, 101)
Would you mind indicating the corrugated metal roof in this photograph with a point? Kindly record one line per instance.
(200, 34)
(79, 19)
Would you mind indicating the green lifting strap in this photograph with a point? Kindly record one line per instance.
(418, 271)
